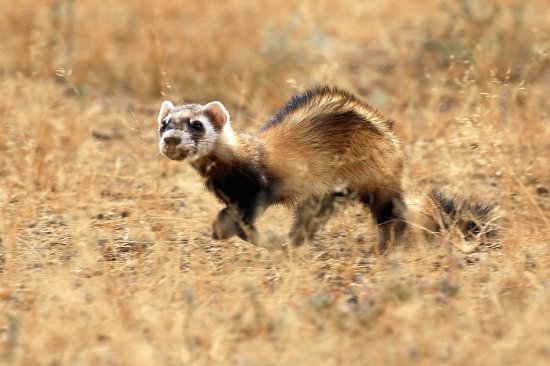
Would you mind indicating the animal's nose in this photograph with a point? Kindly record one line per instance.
(172, 141)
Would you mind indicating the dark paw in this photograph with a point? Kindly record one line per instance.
(225, 226)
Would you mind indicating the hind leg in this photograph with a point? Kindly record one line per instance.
(388, 209)
(312, 216)
(308, 219)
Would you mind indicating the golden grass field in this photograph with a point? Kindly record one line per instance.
(105, 251)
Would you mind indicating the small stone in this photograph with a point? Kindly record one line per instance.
(542, 191)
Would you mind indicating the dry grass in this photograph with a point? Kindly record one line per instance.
(105, 252)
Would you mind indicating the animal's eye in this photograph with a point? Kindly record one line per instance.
(164, 125)
(197, 126)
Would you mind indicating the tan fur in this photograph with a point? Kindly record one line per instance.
(313, 157)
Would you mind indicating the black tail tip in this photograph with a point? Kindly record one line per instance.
(473, 217)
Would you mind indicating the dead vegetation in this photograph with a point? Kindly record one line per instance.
(105, 249)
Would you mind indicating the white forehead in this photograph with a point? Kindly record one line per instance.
(188, 108)
(189, 111)
(182, 113)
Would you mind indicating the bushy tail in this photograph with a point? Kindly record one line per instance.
(433, 211)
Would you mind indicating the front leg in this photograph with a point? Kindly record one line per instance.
(230, 222)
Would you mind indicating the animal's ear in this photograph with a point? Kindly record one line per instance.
(217, 114)
(165, 108)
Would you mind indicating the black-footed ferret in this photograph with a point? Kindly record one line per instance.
(323, 142)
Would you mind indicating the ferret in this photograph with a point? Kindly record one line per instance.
(324, 144)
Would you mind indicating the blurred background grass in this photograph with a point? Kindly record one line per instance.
(234, 50)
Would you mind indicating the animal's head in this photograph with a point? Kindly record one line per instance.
(191, 130)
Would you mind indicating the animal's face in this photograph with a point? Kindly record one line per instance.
(190, 130)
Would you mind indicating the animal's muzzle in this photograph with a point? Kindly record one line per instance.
(172, 141)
